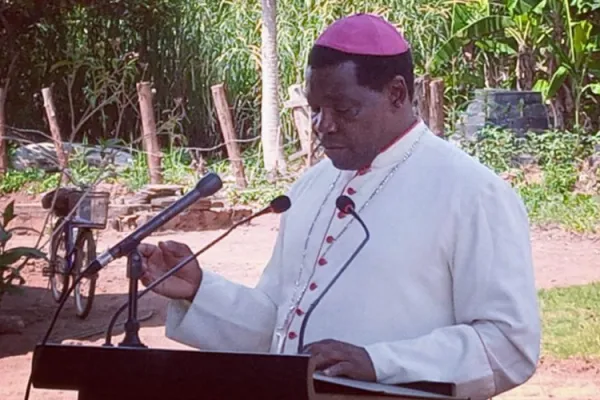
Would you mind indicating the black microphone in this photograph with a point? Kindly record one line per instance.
(345, 205)
(207, 186)
(277, 206)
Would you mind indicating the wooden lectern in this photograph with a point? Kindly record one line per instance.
(117, 373)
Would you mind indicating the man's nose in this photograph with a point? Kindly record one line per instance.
(323, 122)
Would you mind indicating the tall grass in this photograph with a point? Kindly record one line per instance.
(185, 46)
(208, 42)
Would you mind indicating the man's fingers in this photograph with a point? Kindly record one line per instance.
(147, 277)
(146, 249)
(318, 346)
(343, 368)
(324, 356)
(322, 361)
(337, 358)
(175, 249)
(146, 280)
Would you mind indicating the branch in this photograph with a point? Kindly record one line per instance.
(11, 68)
(21, 130)
(91, 112)
(70, 81)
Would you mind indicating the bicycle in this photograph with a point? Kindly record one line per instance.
(72, 245)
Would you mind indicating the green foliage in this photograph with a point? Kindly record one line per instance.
(571, 321)
(557, 157)
(31, 180)
(501, 149)
(100, 50)
(177, 165)
(10, 276)
(545, 169)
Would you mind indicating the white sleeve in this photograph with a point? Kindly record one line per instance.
(495, 343)
(228, 316)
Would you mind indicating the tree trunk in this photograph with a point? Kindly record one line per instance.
(559, 107)
(3, 136)
(421, 100)
(525, 67)
(62, 157)
(436, 107)
(270, 135)
(4, 86)
(490, 73)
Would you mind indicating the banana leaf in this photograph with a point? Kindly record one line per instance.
(557, 81)
(479, 29)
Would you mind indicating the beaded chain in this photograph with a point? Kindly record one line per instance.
(298, 295)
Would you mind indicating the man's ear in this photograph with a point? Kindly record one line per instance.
(397, 91)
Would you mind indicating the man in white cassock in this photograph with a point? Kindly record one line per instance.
(443, 291)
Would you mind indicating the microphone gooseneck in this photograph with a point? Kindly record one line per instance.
(277, 206)
(345, 205)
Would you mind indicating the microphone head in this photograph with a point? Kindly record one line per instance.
(209, 184)
(280, 204)
(345, 204)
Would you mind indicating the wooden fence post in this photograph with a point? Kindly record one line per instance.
(226, 122)
(422, 97)
(436, 106)
(302, 119)
(150, 141)
(55, 131)
(3, 142)
(5, 85)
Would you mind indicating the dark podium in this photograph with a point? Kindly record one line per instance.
(118, 373)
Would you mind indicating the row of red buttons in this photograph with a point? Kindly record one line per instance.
(322, 261)
(293, 335)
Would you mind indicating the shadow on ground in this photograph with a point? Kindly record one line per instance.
(36, 306)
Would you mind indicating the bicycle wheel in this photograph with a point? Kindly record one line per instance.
(86, 288)
(59, 279)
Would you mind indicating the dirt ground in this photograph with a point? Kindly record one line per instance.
(560, 259)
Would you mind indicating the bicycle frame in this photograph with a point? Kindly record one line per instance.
(71, 235)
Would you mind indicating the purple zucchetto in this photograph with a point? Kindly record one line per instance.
(364, 34)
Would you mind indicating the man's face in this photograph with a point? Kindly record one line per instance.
(349, 119)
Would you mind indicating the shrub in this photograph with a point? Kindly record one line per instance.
(10, 276)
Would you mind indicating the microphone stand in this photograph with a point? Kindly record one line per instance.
(132, 325)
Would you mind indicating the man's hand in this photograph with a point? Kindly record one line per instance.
(337, 358)
(157, 260)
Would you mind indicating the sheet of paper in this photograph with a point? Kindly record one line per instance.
(379, 388)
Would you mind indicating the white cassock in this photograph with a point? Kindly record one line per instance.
(443, 291)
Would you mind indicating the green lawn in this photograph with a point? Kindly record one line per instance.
(571, 321)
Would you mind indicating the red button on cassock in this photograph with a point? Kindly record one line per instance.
(322, 261)
(329, 239)
(351, 191)
(312, 286)
(299, 312)
(292, 335)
